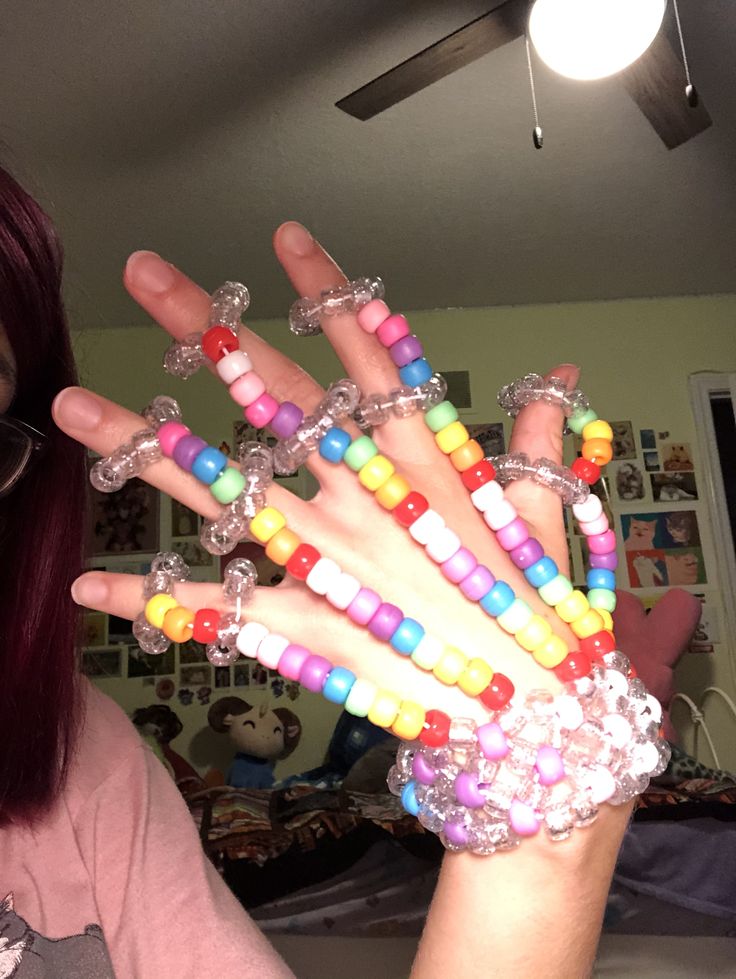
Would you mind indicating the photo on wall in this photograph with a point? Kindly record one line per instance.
(192, 652)
(150, 664)
(677, 457)
(623, 444)
(663, 549)
(184, 522)
(490, 437)
(628, 479)
(193, 552)
(99, 663)
(674, 487)
(94, 629)
(125, 522)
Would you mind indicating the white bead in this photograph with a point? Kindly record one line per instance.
(443, 545)
(271, 649)
(425, 528)
(618, 729)
(655, 708)
(250, 637)
(500, 515)
(589, 509)
(618, 682)
(601, 784)
(645, 757)
(343, 590)
(569, 711)
(428, 651)
(486, 495)
(324, 574)
(233, 365)
(515, 617)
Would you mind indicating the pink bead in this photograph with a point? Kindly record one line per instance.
(523, 819)
(260, 412)
(459, 566)
(364, 606)
(513, 534)
(492, 741)
(593, 527)
(549, 765)
(602, 543)
(292, 660)
(393, 329)
(372, 315)
(169, 434)
(247, 388)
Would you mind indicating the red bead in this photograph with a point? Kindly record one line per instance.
(436, 730)
(498, 692)
(218, 341)
(302, 561)
(478, 475)
(574, 665)
(598, 644)
(206, 621)
(411, 508)
(587, 471)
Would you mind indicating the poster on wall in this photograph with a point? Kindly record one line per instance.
(623, 444)
(94, 629)
(674, 487)
(663, 549)
(150, 664)
(628, 480)
(125, 522)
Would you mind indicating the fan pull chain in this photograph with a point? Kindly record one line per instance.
(537, 135)
(691, 93)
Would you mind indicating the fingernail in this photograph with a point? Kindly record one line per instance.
(78, 409)
(90, 591)
(149, 272)
(296, 239)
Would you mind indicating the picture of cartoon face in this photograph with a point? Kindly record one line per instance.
(641, 534)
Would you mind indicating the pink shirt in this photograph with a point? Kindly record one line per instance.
(116, 869)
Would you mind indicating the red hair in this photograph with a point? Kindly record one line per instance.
(41, 524)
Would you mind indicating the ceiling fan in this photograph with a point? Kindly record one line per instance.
(654, 81)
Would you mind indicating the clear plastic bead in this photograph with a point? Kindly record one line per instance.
(341, 399)
(372, 410)
(239, 580)
(228, 304)
(432, 392)
(149, 638)
(220, 536)
(462, 732)
(162, 409)
(172, 564)
(221, 657)
(244, 508)
(304, 317)
(256, 457)
(312, 429)
(404, 401)
(184, 357)
(395, 781)
(108, 475)
(157, 583)
(146, 446)
(576, 403)
(289, 455)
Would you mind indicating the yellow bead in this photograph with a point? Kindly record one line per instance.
(535, 632)
(599, 451)
(384, 709)
(598, 430)
(282, 545)
(375, 472)
(451, 437)
(451, 664)
(551, 653)
(267, 523)
(572, 607)
(178, 624)
(157, 607)
(475, 677)
(607, 619)
(409, 721)
(466, 455)
(393, 491)
(587, 624)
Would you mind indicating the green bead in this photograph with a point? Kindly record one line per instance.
(359, 452)
(443, 414)
(229, 485)
(361, 697)
(602, 598)
(578, 422)
(556, 590)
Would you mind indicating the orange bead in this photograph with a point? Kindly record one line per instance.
(393, 491)
(178, 624)
(282, 545)
(598, 451)
(467, 455)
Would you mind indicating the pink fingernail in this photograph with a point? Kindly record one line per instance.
(149, 272)
(90, 591)
(296, 239)
(77, 409)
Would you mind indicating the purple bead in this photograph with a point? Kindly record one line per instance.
(478, 583)
(186, 451)
(405, 350)
(513, 535)
(364, 606)
(286, 420)
(422, 770)
(459, 566)
(608, 561)
(292, 660)
(314, 673)
(523, 819)
(492, 741)
(467, 792)
(456, 833)
(385, 621)
(527, 554)
(549, 765)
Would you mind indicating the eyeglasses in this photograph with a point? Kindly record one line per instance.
(20, 445)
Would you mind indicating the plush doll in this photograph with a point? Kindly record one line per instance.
(655, 642)
(158, 725)
(260, 735)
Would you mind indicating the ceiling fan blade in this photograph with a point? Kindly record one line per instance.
(656, 82)
(504, 23)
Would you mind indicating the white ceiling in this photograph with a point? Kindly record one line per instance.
(193, 127)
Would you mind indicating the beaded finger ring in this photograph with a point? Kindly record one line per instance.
(562, 480)
(184, 357)
(305, 314)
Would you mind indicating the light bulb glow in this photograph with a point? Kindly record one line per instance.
(588, 39)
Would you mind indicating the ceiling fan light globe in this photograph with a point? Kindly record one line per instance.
(588, 39)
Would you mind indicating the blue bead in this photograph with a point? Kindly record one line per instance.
(498, 599)
(540, 573)
(407, 636)
(338, 685)
(332, 446)
(416, 372)
(601, 578)
(409, 799)
(208, 465)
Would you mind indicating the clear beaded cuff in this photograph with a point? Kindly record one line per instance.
(112, 473)
(548, 764)
(305, 314)
(167, 568)
(401, 402)
(184, 357)
(533, 387)
(569, 487)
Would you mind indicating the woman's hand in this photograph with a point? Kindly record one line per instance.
(343, 521)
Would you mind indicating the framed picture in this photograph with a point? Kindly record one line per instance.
(150, 664)
(120, 631)
(94, 629)
(184, 522)
(102, 662)
(196, 676)
(125, 522)
(192, 652)
(193, 552)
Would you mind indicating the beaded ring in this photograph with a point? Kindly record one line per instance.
(560, 479)
(305, 314)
